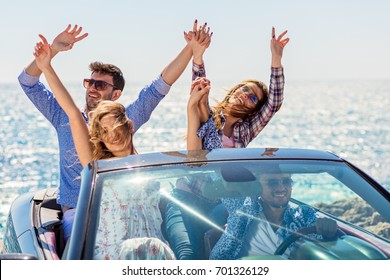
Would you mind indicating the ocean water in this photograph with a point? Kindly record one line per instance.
(349, 118)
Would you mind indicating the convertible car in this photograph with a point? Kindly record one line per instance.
(179, 191)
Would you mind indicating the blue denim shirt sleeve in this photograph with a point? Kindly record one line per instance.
(150, 96)
(70, 167)
(41, 97)
(27, 80)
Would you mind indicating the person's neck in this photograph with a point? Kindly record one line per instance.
(229, 125)
(85, 110)
(274, 215)
(122, 153)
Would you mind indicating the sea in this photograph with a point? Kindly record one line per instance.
(348, 118)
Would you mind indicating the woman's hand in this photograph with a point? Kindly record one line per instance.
(277, 47)
(42, 53)
(199, 88)
(199, 39)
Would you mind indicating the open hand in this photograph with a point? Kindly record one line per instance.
(66, 39)
(278, 43)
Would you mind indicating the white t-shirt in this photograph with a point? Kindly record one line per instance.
(261, 239)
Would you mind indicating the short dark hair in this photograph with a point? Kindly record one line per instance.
(109, 69)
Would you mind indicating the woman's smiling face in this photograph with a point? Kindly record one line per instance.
(248, 95)
(112, 137)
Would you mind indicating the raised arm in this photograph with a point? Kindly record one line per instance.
(78, 125)
(175, 68)
(62, 42)
(199, 40)
(276, 90)
(200, 88)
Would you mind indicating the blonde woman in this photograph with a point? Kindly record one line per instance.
(106, 82)
(111, 131)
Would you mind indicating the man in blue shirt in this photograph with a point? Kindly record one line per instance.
(106, 83)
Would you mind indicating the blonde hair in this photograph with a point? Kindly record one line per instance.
(122, 128)
(238, 110)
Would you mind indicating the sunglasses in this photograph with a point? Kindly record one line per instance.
(285, 182)
(252, 97)
(99, 85)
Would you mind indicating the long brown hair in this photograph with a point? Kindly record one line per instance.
(238, 110)
(123, 129)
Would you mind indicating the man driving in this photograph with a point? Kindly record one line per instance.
(258, 225)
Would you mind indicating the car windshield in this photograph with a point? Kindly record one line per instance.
(167, 201)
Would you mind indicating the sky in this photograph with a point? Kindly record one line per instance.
(329, 40)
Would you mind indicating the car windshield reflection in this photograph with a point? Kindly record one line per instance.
(180, 211)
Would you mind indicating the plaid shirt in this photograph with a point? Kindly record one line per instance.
(245, 130)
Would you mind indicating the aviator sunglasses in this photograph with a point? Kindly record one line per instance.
(99, 85)
(252, 97)
(285, 182)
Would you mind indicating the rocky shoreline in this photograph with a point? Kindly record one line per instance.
(358, 212)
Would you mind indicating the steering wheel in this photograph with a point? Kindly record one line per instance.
(303, 232)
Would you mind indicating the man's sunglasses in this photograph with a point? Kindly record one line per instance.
(99, 85)
(285, 182)
(252, 97)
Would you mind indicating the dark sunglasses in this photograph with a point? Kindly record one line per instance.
(285, 182)
(99, 85)
(252, 97)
